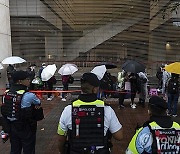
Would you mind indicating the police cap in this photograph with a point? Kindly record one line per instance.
(20, 75)
(90, 78)
(158, 102)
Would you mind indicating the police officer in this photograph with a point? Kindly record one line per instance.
(151, 138)
(89, 87)
(17, 110)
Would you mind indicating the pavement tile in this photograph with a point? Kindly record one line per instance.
(47, 128)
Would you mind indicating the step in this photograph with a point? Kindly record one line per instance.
(69, 87)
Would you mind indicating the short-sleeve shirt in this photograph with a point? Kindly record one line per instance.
(28, 99)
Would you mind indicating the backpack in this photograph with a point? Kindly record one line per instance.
(165, 140)
(173, 86)
(65, 78)
(71, 79)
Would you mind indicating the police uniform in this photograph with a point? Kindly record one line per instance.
(19, 122)
(142, 141)
(111, 122)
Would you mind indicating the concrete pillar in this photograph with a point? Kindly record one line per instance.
(54, 47)
(157, 52)
(5, 39)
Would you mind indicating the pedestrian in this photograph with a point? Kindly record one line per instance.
(124, 89)
(18, 108)
(159, 75)
(173, 94)
(50, 84)
(165, 78)
(134, 89)
(159, 134)
(120, 78)
(65, 83)
(88, 121)
(32, 74)
(106, 84)
(44, 83)
(10, 69)
(142, 88)
(43, 65)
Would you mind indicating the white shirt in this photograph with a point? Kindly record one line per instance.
(111, 121)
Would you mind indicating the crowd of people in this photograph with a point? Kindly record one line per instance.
(88, 124)
(124, 85)
(152, 137)
(36, 82)
(131, 84)
(168, 86)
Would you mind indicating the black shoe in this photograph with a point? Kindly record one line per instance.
(121, 107)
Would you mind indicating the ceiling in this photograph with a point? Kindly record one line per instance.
(89, 14)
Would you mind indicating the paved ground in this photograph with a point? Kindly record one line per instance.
(47, 137)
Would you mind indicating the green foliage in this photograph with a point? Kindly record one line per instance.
(172, 7)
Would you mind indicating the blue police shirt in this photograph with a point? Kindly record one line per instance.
(28, 99)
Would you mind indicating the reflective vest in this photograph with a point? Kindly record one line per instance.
(153, 126)
(97, 102)
(11, 104)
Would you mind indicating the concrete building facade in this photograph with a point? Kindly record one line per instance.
(5, 39)
(87, 30)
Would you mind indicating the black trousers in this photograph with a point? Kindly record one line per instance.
(122, 95)
(133, 95)
(50, 88)
(100, 151)
(65, 87)
(22, 138)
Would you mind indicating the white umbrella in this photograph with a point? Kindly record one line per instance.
(99, 71)
(68, 69)
(48, 72)
(1, 67)
(13, 60)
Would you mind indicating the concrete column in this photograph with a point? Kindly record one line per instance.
(157, 52)
(5, 39)
(54, 47)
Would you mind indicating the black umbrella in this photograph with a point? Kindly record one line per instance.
(133, 66)
(108, 65)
